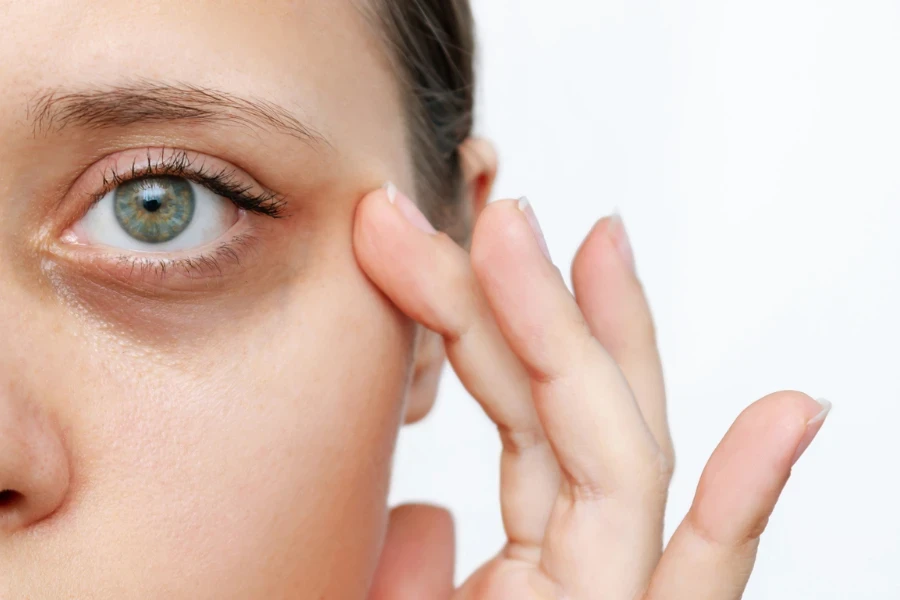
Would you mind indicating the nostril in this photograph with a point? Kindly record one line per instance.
(34, 464)
(10, 498)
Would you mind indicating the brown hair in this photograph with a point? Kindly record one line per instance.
(432, 44)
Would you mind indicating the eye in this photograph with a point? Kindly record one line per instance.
(157, 214)
(168, 216)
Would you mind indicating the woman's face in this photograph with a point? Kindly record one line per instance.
(214, 418)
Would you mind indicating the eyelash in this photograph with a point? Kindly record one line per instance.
(200, 265)
(222, 182)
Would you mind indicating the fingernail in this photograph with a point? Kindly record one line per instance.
(525, 206)
(620, 239)
(408, 209)
(812, 428)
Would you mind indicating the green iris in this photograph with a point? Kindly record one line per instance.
(154, 209)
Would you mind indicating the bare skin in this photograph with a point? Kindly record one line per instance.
(178, 422)
(193, 434)
(575, 386)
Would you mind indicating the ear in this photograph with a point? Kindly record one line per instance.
(427, 367)
(478, 160)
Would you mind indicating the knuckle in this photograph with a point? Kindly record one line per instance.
(723, 540)
(560, 352)
(587, 492)
(644, 483)
(521, 441)
(666, 466)
(649, 480)
(699, 529)
(757, 529)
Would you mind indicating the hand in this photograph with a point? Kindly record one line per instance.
(575, 387)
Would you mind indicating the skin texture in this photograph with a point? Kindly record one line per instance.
(197, 437)
(218, 422)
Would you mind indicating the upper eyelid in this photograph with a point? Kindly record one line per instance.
(166, 160)
(179, 163)
(179, 158)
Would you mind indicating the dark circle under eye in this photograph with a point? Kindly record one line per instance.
(154, 209)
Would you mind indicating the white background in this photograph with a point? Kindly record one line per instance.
(753, 149)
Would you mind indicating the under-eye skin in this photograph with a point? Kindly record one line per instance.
(162, 213)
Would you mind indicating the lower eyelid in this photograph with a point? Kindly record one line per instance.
(155, 273)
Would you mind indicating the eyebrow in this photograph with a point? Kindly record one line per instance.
(145, 101)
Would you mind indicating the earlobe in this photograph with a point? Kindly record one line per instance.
(479, 165)
(478, 161)
(429, 362)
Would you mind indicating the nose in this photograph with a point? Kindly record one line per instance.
(34, 466)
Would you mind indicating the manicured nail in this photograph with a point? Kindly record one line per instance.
(525, 206)
(408, 208)
(812, 428)
(620, 239)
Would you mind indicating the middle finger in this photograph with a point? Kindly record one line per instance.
(429, 277)
(603, 538)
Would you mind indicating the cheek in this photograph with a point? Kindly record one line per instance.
(260, 459)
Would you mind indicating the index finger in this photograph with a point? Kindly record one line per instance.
(429, 277)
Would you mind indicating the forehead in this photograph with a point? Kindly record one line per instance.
(321, 59)
(200, 39)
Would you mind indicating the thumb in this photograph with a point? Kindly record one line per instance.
(418, 556)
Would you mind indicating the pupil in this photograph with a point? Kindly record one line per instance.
(152, 204)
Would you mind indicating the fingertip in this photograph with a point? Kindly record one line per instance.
(592, 255)
(426, 275)
(807, 416)
(599, 232)
(384, 246)
(748, 470)
(767, 434)
(606, 247)
(418, 557)
(789, 411)
(491, 227)
(382, 197)
(388, 202)
(436, 520)
(387, 227)
(504, 244)
(610, 295)
(370, 213)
